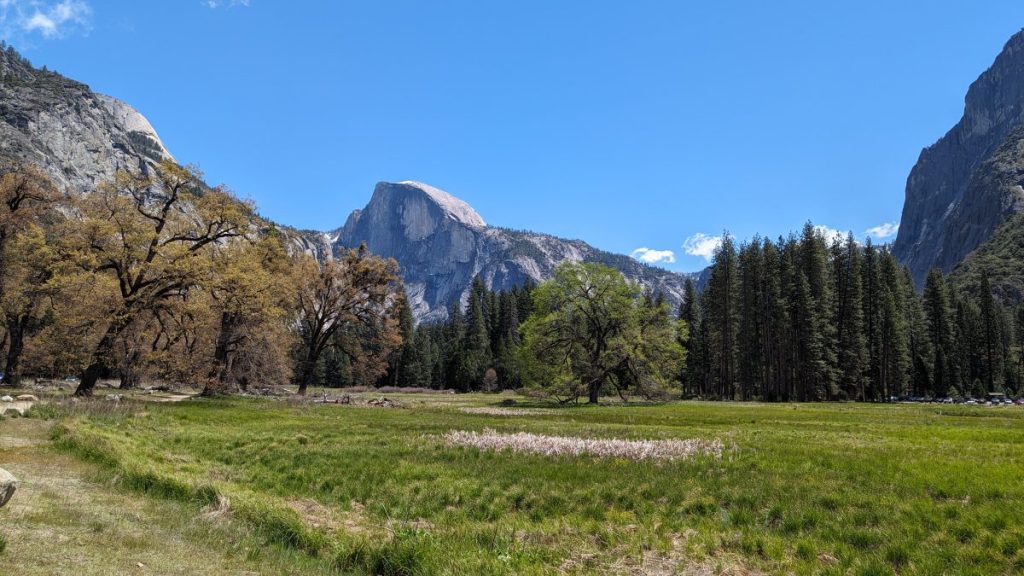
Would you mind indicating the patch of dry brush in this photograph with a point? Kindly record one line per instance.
(600, 447)
(491, 411)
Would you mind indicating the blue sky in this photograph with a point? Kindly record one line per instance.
(627, 124)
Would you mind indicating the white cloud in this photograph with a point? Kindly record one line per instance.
(703, 245)
(652, 256)
(883, 231)
(42, 23)
(48, 19)
(830, 235)
(229, 3)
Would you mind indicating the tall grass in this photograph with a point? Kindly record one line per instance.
(806, 489)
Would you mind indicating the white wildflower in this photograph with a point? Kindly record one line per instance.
(506, 411)
(601, 447)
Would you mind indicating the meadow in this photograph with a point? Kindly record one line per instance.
(796, 488)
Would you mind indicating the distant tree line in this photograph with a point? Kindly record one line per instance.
(159, 277)
(475, 349)
(803, 319)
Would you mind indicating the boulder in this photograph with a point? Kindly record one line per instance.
(6, 398)
(8, 484)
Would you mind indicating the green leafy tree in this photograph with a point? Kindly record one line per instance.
(592, 331)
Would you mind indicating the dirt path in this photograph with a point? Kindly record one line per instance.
(64, 520)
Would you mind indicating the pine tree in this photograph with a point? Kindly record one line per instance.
(452, 342)
(688, 314)
(872, 291)
(751, 326)
(399, 363)
(991, 336)
(723, 319)
(919, 349)
(820, 329)
(849, 315)
(940, 332)
(476, 347)
(1019, 341)
(508, 341)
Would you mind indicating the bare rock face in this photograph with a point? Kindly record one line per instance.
(78, 137)
(966, 184)
(441, 244)
(8, 484)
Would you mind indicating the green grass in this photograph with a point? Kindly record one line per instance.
(805, 489)
(67, 517)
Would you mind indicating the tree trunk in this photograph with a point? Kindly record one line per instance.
(130, 379)
(130, 376)
(15, 346)
(307, 370)
(223, 352)
(89, 378)
(98, 365)
(595, 391)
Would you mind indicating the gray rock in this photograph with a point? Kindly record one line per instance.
(956, 196)
(8, 484)
(78, 137)
(6, 398)
(442, 244)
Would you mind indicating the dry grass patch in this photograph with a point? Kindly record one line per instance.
(573, 446)
(492, 411)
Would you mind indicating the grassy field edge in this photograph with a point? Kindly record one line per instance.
(268, 516)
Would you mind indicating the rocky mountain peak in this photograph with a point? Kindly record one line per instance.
(442, 244)
(412, 193)
(137, 125)
(955, 197)
(78, 137)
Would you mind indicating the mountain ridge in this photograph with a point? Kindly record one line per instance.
(76, 136)
(442, 248)
(81, 138)
(955, 199)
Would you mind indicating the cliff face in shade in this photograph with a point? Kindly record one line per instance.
(970, 181)
(441, 244)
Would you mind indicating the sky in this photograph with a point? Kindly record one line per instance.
(645, 128)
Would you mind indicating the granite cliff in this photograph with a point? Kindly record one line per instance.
(78, 137)
(968, 183)
(442, 244)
